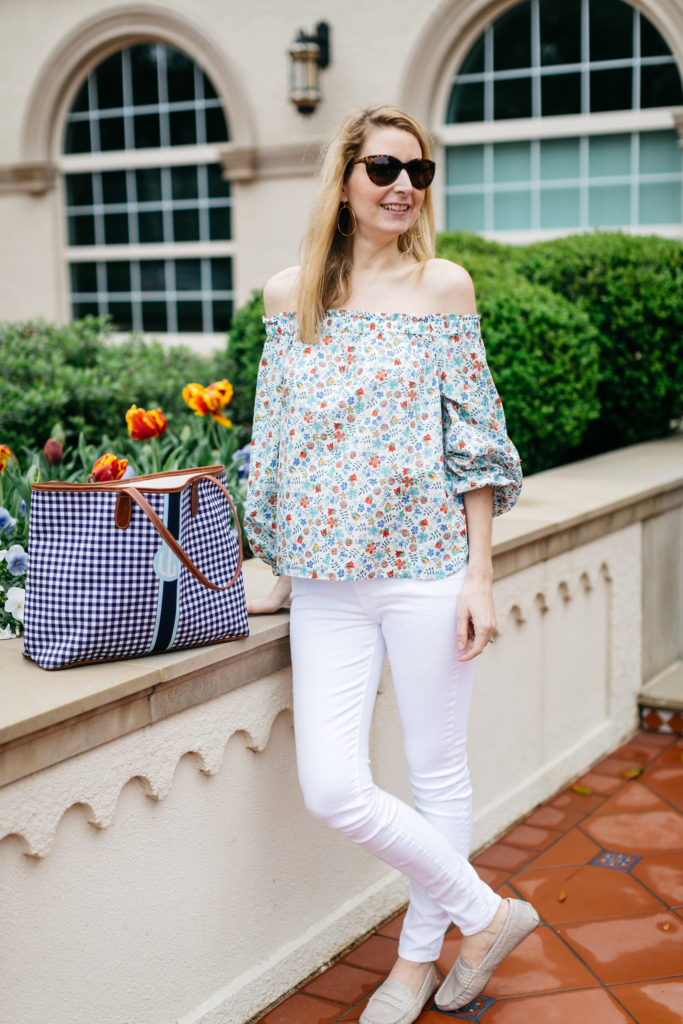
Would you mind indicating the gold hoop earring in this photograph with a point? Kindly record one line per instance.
(346, 234)
(413, 235)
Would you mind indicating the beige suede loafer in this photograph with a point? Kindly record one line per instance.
(463, 983)
(394, 1003)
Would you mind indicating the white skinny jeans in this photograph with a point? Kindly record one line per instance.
(339, 634)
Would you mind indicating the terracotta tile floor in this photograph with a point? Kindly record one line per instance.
(603, 864)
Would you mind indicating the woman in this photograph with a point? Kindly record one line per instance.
(379, 456)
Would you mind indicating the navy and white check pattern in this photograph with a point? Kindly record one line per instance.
(92, 593)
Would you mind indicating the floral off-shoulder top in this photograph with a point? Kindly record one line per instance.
(364, 443)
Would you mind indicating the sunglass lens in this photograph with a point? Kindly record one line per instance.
(382, 170)
(421, 173)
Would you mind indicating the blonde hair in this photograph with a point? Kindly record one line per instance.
(326, 256)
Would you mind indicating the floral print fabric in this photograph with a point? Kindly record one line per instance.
(364, 443)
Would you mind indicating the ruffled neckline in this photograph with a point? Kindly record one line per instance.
(365, 315)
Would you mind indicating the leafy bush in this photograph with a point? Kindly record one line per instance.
(245, 344)
(76, 375)
(462, 247)
(542, 352)
(630, 288)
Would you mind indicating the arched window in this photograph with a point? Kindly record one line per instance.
(560, 118)
(147, 210)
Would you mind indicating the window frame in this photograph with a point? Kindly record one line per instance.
(535, 128)
(163, 157)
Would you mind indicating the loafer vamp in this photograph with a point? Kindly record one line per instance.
(463, 982)
(394, 1003)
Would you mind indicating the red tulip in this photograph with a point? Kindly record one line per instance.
(145, 423)
(53, 451)
(109, 467)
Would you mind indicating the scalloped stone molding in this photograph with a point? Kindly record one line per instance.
(32, 807)
(563, 589)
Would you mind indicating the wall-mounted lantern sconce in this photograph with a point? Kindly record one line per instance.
(307, 54)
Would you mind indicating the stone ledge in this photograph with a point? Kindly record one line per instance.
(252, 163)
(665, 690)
(29, 178)
(46, 717)
(562, 508)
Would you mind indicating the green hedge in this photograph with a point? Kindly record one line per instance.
(245, 344)
(542, 353)
(632, 290)
(76, 375)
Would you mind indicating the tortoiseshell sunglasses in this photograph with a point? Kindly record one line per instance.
(383, 170)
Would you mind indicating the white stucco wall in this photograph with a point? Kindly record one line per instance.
(32, 274)
(200, 888)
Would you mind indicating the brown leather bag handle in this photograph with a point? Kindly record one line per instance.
(173, 544)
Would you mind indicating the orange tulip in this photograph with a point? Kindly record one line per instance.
(6, 454)
(194, 394)
(209, 401)
(219, 394)
(109, 467)
(145, 423)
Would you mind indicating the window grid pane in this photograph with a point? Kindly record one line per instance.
(145, 96)
(164, 204)
(586, 182)
(156, 295)
(148, 96)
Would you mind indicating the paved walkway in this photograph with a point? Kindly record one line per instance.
(603, 864)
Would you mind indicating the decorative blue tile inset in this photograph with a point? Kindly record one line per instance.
(473, 1010)
(615, 860)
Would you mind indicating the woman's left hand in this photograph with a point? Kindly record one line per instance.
(476, 616)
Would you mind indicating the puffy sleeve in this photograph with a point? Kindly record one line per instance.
(477, 450)
(260, 510)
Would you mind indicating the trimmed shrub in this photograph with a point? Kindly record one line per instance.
(631, 289)
(75, 375)
(245, 344)
(542, 352)
(462, 246)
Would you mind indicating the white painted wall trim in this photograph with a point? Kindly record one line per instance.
(613, 123)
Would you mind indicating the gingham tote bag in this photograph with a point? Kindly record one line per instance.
(132, 567)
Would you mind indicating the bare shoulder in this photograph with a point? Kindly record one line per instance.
(449, 287)
(279, 294)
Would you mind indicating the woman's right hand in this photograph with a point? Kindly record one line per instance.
(279, 597)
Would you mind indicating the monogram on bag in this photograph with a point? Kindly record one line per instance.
(132, 567)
